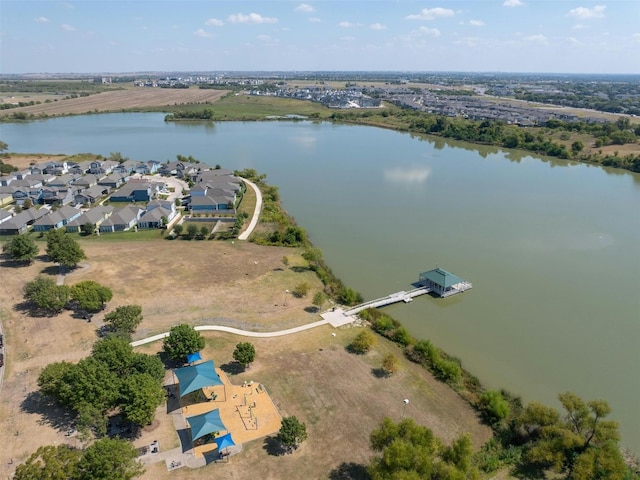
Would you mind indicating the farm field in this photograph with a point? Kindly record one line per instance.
(241, 285)
(113, 101)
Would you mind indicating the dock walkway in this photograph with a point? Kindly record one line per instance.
(403, 296)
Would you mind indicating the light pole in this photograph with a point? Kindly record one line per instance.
(404, 407)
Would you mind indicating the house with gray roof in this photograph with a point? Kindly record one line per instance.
(137, 191)
(57, 196)
(121, 219)
(4, 216)
(95, 216)
(90, 195)
(64, 180)
(115, 180)
(156, 218)
(20, 222)
(57, 219)
(86, 181)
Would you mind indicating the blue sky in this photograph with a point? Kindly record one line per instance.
(581, 36)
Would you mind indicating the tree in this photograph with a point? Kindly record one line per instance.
(46, 295)
(390, 364)
(90, 295)
(576, 147)
(63, 249)
(192, 230)
(115, 353)
(178, 229)
(27, 204)
(292, 433)
(21, 248)
(182, 340)
(140, 396)
(244, 354)
(318, 299)
(363, 342)
(494, 406)
(301, 289)
(204, 231)
(109, 459)
(124, 319)
(581, 444)
(50, 463)
(88, 228)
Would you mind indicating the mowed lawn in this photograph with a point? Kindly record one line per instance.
(309, 375)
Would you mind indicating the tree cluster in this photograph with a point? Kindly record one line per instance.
(410, 451)
(113, 378)
(124, 320)
(87, 296)
(21, 249)
(106, 459)
(63, 249)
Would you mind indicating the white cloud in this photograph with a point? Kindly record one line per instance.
(349, 24)
(407, 175)
(348, 39)
(574, 41)
(538, 38)
(377, 26)
(470, 42)
(636, 37)
(42, 20)
(512, 3)
(476, 23)
(252, 18)
(201, 33)
(67, 28)
(585, 13)
(268, 40)
(68, 5)
(214, 22)
(432, 32)
(305, 8)
(579, 26)
(315, 20)
(431, 14)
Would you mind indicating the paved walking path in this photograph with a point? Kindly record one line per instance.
(256, 212)
(237, 331)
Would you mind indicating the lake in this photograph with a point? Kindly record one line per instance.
(551, 247)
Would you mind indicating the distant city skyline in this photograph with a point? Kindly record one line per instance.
(86, 36)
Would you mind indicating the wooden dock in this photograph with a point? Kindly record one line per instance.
(403, 296)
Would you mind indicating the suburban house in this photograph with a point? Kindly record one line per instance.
(21, 195)
(57, 196)
(95, 216)
(6, 198)
(125, 167)
(20, 223)
(4, 216)
(115, 180)
(64, 180)
(86, 181)
(137, 191)
(213, 200)
(158, 214)
(121, 219)
(57, 219)
(147, 168)
(43, 177)
(80, 167)
(55, 168)
(102, 167)
(91, 195)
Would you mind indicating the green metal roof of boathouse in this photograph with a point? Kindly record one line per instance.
(441, 277)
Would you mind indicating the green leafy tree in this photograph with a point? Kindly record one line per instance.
(192, 230)
(149, 364)
(109, 459)
(182, 340)
(21, 248)
(244, 354)
(115, 353)
(90, 295)
(124, 319)
(318, 299)
(494, 406)
(581, 444)
(63, 249)
(204, 231)
(50, 463)
(140, 396)
(348, 296)
(363, 342)
(46, 295)
(178, 229)
(292, 433)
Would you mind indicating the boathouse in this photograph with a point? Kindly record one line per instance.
(443, 283)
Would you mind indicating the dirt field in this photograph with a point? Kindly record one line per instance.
(309, 374)
(121, 99)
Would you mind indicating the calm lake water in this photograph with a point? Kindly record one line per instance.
(551, 247)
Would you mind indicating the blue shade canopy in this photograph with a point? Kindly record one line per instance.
(195, 377)
(193, 357)
(224, 441)
(205, 423)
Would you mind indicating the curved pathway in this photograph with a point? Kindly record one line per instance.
(256, 212)
(236, 331)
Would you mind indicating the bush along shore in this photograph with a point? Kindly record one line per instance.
(533, 440)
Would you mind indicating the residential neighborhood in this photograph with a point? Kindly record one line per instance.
(113, 196)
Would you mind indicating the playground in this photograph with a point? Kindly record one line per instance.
(212, 406)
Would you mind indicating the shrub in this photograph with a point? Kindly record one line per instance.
(363, 342)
